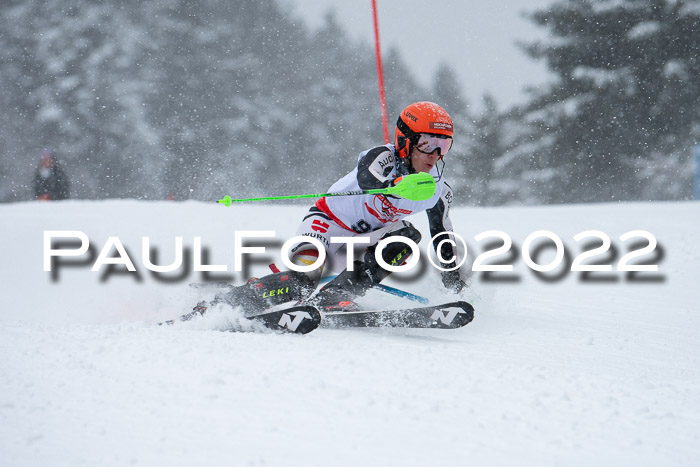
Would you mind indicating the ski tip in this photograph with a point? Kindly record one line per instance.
(468, 315)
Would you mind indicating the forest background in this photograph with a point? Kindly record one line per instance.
(196, 99)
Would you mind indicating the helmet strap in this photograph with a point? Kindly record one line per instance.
(410, 135)
(440, 170)
(410, 138)
(403, 166)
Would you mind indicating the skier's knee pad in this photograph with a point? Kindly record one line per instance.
(395, 253)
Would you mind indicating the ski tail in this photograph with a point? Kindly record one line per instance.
(198, 310)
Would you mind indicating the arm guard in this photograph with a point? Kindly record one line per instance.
(376, 168)
(439, 220)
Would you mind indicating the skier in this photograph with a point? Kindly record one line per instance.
(423, 136)
(50, 181)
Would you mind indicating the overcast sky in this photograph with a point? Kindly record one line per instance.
(476, 37)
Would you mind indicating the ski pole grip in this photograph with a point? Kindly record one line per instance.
(226, 201)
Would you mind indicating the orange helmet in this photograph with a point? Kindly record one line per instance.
(422, 118)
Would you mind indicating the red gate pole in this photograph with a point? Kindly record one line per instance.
(380, 74)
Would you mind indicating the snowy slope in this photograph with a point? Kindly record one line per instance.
(551, 372)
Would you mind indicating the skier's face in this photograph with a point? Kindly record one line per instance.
(423, 162)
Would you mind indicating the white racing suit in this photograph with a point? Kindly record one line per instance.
(373, 216)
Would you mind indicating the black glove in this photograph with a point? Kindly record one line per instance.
(452, 281)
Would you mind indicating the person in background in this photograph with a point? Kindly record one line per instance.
(50, 181)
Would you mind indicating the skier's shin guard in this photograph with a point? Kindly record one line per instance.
(368, 273)
(394, 254)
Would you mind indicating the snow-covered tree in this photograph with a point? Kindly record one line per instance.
(191, 98)
(625, 102)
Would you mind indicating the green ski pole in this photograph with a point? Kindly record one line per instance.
(415, 187)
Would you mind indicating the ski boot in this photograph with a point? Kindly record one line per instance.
(260, 294)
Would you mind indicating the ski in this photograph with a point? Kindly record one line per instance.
(303, 318)
(298, 319)
(446, 316)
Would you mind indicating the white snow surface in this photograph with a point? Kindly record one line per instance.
(565, 372)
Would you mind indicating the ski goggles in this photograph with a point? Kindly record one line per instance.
(429, 143)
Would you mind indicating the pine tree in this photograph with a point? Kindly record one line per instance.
(484, 151)
(190, 98)
(468, 185)
(627, 92)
